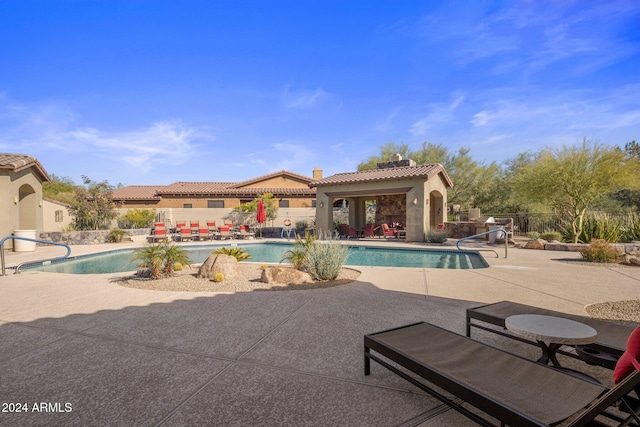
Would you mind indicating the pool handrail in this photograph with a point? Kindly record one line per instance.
(28, 239)
(484, 233)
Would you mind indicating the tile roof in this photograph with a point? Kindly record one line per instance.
(299, 177)
(227, 189)
(137, 192)
(420, 171)
(19, 162)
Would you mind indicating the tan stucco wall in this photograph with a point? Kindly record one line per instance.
(20, 202)
(196, 202)
(418, 214)
(49, 209)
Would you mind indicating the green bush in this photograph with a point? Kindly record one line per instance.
(601, 227)
(533, 235)
(237, 253)
(116, 235)
(137, 218)
(218, 277)
(601, 251)
(325, 259)
(436, 236)
(551, 235)
(631, 231)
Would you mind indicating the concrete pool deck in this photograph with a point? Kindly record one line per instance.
(95, 353)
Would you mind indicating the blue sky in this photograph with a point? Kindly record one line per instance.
(153, 92)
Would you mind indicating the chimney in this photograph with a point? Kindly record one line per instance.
(396, 162)
(317, 173)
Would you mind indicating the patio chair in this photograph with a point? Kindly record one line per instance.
(389, 232)
(370, 230)
(180, 225)
(245, 233)
(203, 234)
(460, 372)
(609, 345)
(224, 233)
(344, 230)
(185, 234)
(159, 234)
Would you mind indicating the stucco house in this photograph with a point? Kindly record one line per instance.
(21, 201)
(205, 201)
(414, 196)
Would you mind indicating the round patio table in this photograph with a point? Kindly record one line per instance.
(551, 333)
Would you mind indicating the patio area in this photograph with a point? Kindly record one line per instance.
(96, 353)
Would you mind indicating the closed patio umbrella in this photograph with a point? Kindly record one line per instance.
(261, 216)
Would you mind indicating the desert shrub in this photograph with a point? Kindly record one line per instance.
(218, 277)
(237, 253)
(533, 235)
(159, 260)
(631, 231)
(298, 255)
(600, 251)
(326, 258)
(551, 235)
(436, 236)
(601, 227)
(137, 218)
(116, 235)
(177, 267)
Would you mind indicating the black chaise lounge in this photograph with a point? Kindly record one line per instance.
(465, 373)
(610, 344)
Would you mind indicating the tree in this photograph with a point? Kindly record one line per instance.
(470, 178)
(93, 207)
(629, 198)
(270, 206)
(570, 179)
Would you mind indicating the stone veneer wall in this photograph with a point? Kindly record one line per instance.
(391, 208)
(86, 237)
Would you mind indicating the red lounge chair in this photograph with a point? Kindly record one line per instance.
(225, 233)
(185, 234)
(203, 234)
(245, 233)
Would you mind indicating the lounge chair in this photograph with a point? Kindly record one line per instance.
(203, 234)
(159, 234)
(245, 233)
(460, 372)
(224, 233)
(609, 346)
(185, 234)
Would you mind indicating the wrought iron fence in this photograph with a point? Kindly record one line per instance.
(524, 223)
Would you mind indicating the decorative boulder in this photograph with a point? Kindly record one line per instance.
(285, 276)
(219, 263)
(535, 244)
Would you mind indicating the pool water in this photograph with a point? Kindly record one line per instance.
(119, 261)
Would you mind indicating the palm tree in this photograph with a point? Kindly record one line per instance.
(150, 257)
(172, 255)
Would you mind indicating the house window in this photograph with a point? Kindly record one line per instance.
(59, 216)
(283, 204)
(187, 205)
(313, 203)
(216, 204)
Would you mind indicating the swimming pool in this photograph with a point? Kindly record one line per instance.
(272, 252)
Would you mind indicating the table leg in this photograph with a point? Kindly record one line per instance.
(549, 353)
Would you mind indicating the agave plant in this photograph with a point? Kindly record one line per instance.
(237, 253)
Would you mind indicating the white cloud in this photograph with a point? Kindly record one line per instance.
(304, 99)
(38, 128)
